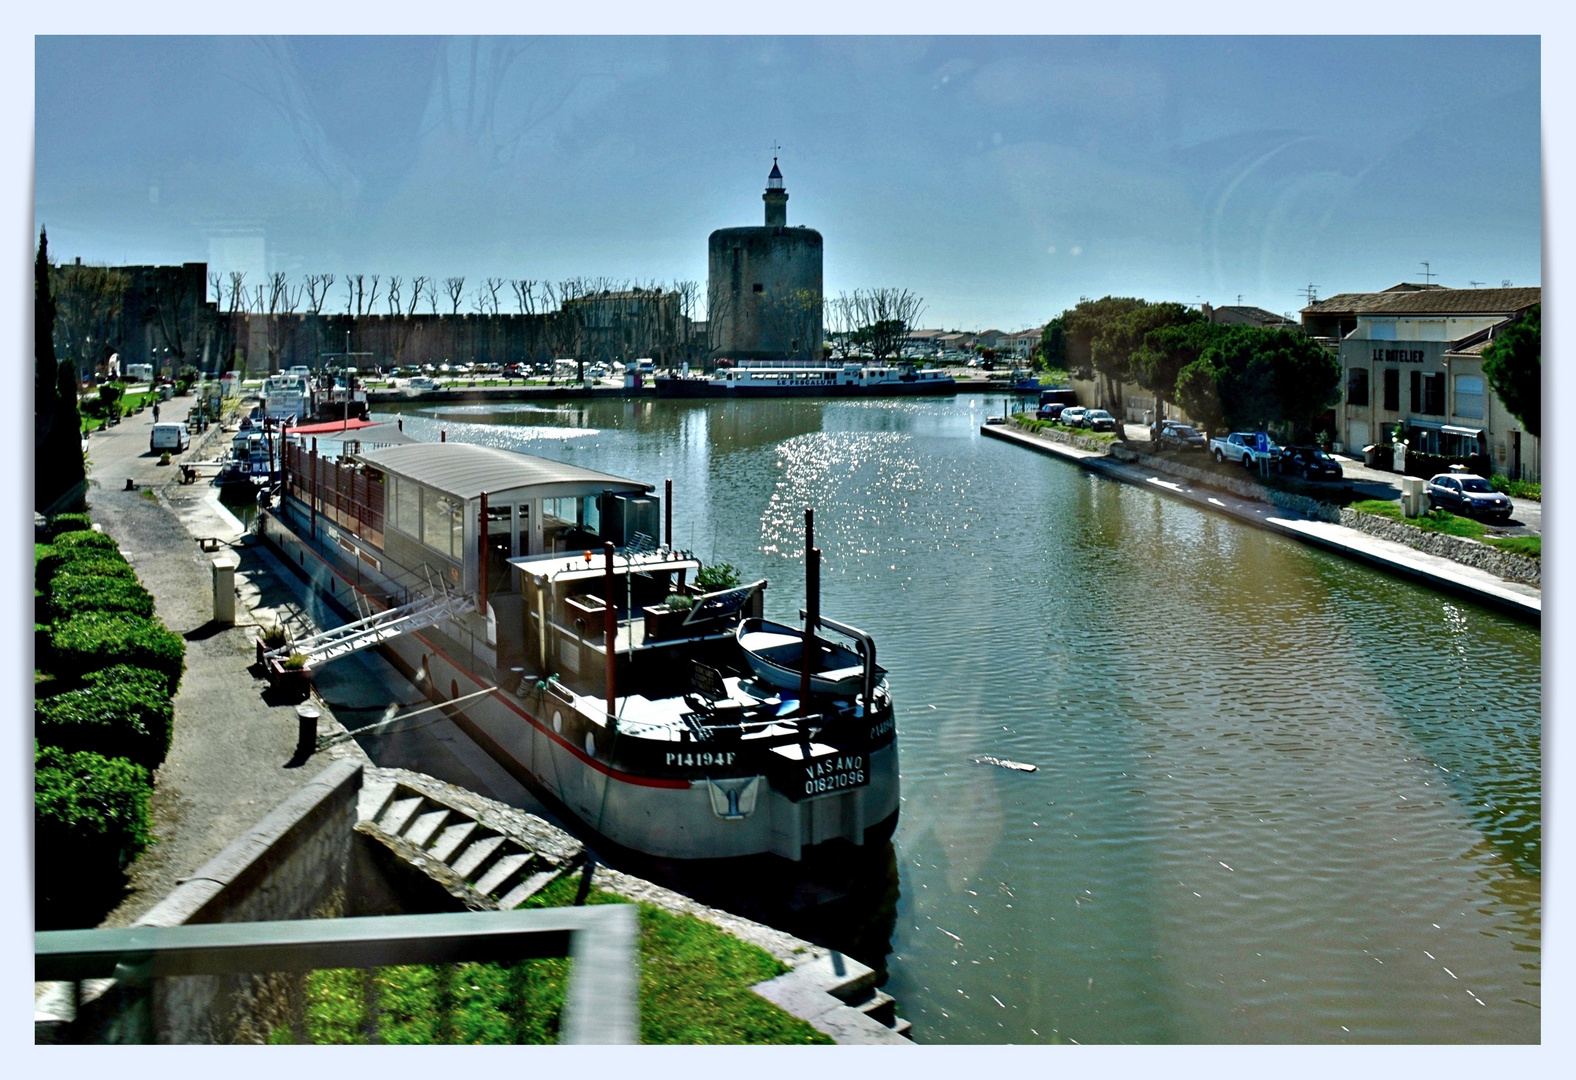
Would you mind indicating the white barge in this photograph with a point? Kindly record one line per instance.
(536, 595)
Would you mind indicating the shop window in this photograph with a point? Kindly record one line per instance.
(1433, 393)
(1469, 396)
(1392, 389)
(1357, 386)
(1416, 395)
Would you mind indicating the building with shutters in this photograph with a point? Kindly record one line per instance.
(1412, 355)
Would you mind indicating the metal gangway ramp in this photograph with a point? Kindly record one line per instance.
(374, 629)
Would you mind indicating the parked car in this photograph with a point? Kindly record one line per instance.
(168, 435)
(1097, 420)
(1469, 495)
(1050, 410)
(1239, 447)
(1310, 463)
(1071, 416)
(1175, 436)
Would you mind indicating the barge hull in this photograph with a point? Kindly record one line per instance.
(548, 745)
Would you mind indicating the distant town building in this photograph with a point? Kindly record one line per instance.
(1412, 354)
(763, 287)
(1245, 315)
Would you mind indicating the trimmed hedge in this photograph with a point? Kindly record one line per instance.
(62, 523)
(91, 817)
(127, 714)
(84, 538)
(72, 591)
(94, 640)
(94, 561)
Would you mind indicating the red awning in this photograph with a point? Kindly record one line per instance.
(329, 427)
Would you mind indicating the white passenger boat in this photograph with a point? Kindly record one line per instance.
(534, 594)
(852, 378)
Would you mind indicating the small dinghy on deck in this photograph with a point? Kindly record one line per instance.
(775, 653)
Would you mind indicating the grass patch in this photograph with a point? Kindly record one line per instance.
(1530, 546)
(1439, 521)
(1035, 424)
(694, 989)
(1517, 489)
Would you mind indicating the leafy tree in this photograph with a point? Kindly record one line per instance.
(1166, 351)
(1051, 353)
(1513, 366)
(1104, 336)
(1252, 376)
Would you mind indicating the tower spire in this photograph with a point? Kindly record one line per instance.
(776, 198)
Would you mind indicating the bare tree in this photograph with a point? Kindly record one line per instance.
(173, 309)
(456, 287)
(372, 298)
(792, 322)
(432, 296)
(524, 294)
(317, 286)
(216, 283)
(394, 286)
(883, 318)
(493, 285)
(841, 321)
(418, 288)
(278, 290)
(88, 305)
(350, 295)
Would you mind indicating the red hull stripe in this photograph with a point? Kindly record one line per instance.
(622, 777)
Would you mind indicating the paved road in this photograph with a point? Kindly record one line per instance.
(1382, 484)
(233, 756)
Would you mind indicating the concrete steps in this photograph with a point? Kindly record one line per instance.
(497, 870)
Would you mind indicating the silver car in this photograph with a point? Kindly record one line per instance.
(1071, 417)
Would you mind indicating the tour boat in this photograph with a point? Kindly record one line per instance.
(535, 596)
(850, 379)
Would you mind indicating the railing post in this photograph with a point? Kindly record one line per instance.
(601, 1002)
(481, 553)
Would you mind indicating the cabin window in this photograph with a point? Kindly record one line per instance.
(406, 499)
(443, 523)
(570, 524)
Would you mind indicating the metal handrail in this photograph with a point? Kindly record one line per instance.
(600, 1002)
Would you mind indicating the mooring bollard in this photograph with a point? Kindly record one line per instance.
(306, 736)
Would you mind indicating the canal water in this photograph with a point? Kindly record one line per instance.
(1280, 796)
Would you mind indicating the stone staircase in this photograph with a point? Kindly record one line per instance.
(488, 859)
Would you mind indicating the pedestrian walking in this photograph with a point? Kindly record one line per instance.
(155, 412)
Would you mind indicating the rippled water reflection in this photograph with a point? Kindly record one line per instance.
(1281, 797)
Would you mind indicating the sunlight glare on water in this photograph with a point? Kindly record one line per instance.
(1280, 797)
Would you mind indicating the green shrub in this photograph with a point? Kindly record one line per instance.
(63, 523)
(72, 591)
(717, 576)
(84, 538)
(87, 561)
(95, 640)
(1517, 489)
(90, 816)
(128, 718)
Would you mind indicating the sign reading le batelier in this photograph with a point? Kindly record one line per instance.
(1400, 356)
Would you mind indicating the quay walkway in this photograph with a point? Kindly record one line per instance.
(1521, 601)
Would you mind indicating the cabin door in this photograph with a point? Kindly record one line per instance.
(500, 546)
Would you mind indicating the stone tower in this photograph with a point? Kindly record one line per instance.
(763, 289)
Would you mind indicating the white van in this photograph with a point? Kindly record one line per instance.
(300, 371)
(168, 435)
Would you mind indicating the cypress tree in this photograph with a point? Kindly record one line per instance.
(57, 451)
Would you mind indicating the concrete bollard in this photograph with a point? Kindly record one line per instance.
(224, 590)
(1414, 496)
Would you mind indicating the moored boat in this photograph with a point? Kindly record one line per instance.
(849, 379)
(582, 654)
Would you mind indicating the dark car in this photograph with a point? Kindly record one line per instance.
(1310, 463)
(1467, 494)
(1050, 410)
(1174, 436)
(1097, 420)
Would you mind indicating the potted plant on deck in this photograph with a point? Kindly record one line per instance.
(664, 620)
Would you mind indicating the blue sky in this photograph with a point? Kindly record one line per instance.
(1000, 178)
